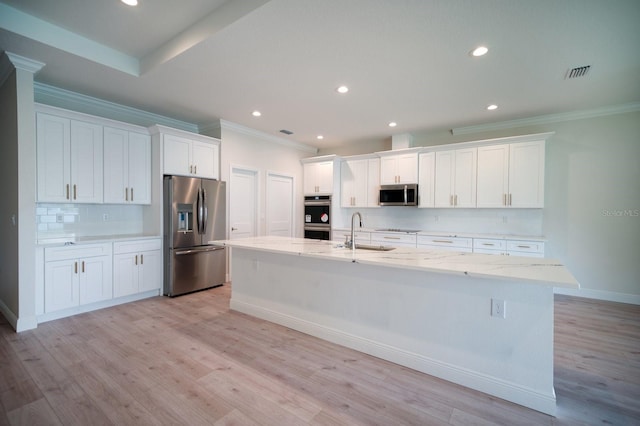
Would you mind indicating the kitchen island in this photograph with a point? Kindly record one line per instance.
(429, 310)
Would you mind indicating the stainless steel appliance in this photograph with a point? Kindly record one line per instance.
(399, 195)
(194, 214)
(317, 217)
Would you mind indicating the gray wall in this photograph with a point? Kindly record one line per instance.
(592, 198)
(9, 204)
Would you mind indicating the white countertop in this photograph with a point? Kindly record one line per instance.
(452, 234)
(540, 271)
(52, 242)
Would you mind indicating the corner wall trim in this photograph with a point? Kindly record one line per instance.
(550, 118)
(67, 99)
(224, 124)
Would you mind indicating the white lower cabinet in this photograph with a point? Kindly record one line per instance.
(395, 239)
(361, 237)
(77, 275)
(137, 267)
(508, 247)
(462, 244)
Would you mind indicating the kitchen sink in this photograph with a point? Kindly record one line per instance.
(373, 247)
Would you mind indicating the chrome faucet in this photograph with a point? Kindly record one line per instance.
(353, 239)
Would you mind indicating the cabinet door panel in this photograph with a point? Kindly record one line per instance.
(388, 170)
(465, 177)
(95, 279)
(86, 162)
(203, 160)
(139, 168)
(325, 177)
(53, 141)
(115, 165)
(150, 270)
(526, 174)
(125, 275)
(426, 184)
(493, 176)
(444, 178)
(177, 153)
(373, 182)
(408, 168)
(61, 285)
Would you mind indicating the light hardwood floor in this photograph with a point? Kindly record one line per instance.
(191, 361)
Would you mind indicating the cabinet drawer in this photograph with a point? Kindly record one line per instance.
(393, 238)
(454, 242)
(136, 246)
(525, 246)
(489, 244)
(76, 251)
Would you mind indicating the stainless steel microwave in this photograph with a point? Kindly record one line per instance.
(399, 195)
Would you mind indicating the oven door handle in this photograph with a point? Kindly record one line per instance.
(317, 228)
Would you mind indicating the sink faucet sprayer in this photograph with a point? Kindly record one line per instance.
(353, 239)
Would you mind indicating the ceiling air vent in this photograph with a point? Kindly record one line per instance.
(578, 72)
(286, 132)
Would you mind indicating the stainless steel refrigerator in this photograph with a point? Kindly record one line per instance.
(194, 214)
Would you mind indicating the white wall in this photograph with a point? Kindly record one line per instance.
(592, 200)
(261, 152)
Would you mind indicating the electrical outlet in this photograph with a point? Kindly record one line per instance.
(105, 217)
(498, 308)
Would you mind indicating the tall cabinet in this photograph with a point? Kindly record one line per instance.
(127, 173)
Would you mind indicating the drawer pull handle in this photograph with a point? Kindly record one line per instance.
(488, 244)
(443, 241)
(391, 238)
(524, 246)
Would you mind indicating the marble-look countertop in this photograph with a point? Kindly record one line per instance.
(542, 271)
(61, 241)
(452, 234)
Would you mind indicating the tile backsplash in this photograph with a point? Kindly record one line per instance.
(54, 221)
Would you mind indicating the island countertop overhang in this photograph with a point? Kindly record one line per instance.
(539, 271)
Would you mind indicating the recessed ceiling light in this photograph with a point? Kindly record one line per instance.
(130, 2)
(393, 124)
(342, 89)
(492, 107)
(256, 113)
(479, 51)
(320, 137)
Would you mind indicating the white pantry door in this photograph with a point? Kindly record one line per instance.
(279, 204)
(243, 203)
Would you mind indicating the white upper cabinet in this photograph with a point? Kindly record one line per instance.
(511, 175)
(455, 178)
(398, 168)
(426, 181)
(127, 167)
(318, 177)
(360, 182)
(69, 160)
(189, 155)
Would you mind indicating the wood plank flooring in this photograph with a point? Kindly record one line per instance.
(192, 361)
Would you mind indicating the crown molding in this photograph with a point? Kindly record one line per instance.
(67, 99)
(224, 124)
(550, 118)
(10, 61)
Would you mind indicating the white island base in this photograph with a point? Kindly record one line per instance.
(437, 323)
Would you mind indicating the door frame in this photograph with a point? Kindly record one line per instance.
(270, 173)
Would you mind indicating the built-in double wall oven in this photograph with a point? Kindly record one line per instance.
(317, 217)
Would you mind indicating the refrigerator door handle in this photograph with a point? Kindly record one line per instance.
(205, 211)
(199, 211)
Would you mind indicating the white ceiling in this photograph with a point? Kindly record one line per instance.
(404, 60)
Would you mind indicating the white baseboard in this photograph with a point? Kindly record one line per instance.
(609, 296)
(18, 324)
(545, 403)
